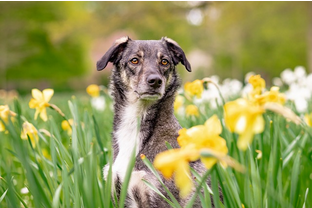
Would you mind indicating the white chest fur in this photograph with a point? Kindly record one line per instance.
(128, 138)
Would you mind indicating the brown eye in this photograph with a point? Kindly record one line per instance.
(134, 61)
(164, 62)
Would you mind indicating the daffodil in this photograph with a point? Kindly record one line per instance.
(192, 110)
(175, 161)
(179, 100)
(192, 142)
(29, 131)
(258, 85)
(40, 101)
(67, 126)
(93, 90)
(5, 113)
(46, 154)
(204, 137)
(194, 88)
(273, 96)
(308, 119)
(244, 118)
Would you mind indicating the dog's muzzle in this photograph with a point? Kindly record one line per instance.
(153, 89)
(154, 81)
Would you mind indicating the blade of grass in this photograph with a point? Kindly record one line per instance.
(126, 181)
(202, 182)
(152, 169)
(56, 197)
(294, 185)
(151, 186)
(3, 195)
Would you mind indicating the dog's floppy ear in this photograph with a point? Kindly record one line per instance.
(177, 53)
(113, 53)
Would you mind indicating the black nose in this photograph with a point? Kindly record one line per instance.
(154, 81)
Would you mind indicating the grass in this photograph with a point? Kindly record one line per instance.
(66, 170)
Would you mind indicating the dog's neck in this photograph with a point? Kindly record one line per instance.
(135, 120)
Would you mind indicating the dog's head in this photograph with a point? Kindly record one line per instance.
(146, 67)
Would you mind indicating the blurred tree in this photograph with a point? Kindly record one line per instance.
(30, 52)
(51, 41)
(265, 37)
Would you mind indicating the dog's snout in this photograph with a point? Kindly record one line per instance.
(154, 81)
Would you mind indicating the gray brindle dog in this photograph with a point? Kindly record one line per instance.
(143, 84)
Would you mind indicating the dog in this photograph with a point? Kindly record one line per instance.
(143, 83)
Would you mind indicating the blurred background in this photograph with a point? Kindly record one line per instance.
(56, 44)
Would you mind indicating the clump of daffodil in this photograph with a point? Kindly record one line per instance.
(30, 131)
(93, 90)
(67, 126)
(257, 83)
(191, 110)
(260, 97)
(244, 118)
(178, 102)
(273, 96)
(308, 119)
(192, 141)
(194, 88)
(5, 114)
(40, 101)
(271, 100)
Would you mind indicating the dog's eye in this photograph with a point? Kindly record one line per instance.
(134, 61)
(164, 62)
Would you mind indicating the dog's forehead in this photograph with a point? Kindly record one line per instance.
(147, 47)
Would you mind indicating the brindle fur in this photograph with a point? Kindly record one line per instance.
(130, 85)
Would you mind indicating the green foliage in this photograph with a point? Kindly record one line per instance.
(47, 43)
(30, 50)
(66, 170)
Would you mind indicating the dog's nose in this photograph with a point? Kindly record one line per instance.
(154, 81)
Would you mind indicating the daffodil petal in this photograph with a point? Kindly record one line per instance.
(208, 162)
(241, 124)
(166, 162)
(213, 125)
(245, 139)
(37, 94)
(258, 125)
(37, 113)
(47, 94)
(2, 127)
(33, 103)
(183, 180)
(43, 114)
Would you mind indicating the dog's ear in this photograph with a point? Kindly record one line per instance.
(113, 53)
(177, 53)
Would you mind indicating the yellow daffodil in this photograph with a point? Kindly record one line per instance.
(205, 137)
(40, 101)
(93, 90)
(191, 110)
(30, 131)
(192, 141)
(194, 88)
(179, 100)
(46, 154)
(175, 161)
(308, 119)
(244, 118)
(258, 85)
(5, 113)
(67, 126)
(273, 96)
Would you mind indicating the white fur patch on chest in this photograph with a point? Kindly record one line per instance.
(128, 137)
